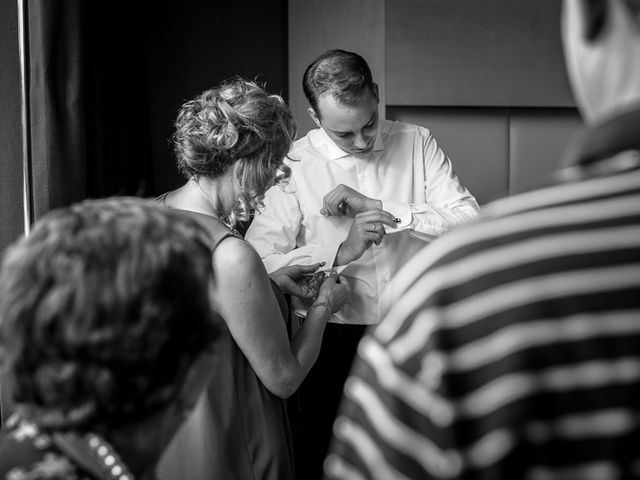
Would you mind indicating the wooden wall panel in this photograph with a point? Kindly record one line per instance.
(475, 53)
(317, 26)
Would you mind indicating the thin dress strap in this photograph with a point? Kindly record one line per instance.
(218, 230)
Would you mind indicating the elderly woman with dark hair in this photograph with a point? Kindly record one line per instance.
(107, 339)
(230, 143)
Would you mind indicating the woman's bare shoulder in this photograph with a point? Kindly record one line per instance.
(235, 254)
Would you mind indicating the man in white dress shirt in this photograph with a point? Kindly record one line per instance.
(364, 196)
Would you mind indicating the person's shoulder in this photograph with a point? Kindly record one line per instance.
(235, 255)
(499, 217)
(305, 148)
(161, 199)
(398, 128)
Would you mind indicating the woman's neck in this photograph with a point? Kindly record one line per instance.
(216, 195)
(201, 195)
(206, 195)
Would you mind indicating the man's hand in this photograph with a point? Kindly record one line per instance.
(345, 201)
(367, 228)
(299, 280)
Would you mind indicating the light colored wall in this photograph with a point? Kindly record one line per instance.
(317, 26)
(475, 53)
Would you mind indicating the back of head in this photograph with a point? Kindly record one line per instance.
(602, 53)
(103, 308)
(235, 125)
(342, 74)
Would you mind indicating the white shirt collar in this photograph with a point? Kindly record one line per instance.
(321, 140)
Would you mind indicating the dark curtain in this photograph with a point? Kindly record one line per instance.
(56, 104)
(11, 211)
(87, 102)
(87, 125)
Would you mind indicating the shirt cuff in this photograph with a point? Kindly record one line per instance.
(327, 254)
(399, 210)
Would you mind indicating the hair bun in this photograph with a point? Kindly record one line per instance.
(226, 137)
(236, 121)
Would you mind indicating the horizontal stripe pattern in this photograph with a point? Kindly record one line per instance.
(586, 471)
(415, 287)
(517, 337)
(511, 348)
(509, 296)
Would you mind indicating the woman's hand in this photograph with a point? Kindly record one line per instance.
(334, 292)
(299, 280)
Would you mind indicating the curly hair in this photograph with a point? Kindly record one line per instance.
(239, 125)
(345, 75)
(103, 308)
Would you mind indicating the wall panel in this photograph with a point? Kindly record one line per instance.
(537, 141)
(317, 26)
(475, 53)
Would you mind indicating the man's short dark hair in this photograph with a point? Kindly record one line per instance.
(345, 75)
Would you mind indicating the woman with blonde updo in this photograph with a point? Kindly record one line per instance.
(230, 142)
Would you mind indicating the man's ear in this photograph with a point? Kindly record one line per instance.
(595, 16)
(376, 92)
(314, 117)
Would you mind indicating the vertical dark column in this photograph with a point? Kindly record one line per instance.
(11, 204)
(11, 180)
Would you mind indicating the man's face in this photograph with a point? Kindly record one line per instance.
(352, 127)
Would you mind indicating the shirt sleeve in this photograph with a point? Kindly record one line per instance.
(447, 202)
(275, 228)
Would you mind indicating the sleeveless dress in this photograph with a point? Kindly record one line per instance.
(238, 430)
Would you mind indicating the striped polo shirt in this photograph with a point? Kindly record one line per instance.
(512, 349)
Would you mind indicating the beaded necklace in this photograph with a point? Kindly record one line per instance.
(89, 450)
(110, 463)
(222, 218)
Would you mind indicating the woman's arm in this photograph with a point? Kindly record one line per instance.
(242, 295)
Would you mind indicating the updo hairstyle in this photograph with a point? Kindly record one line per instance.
(239, 125)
